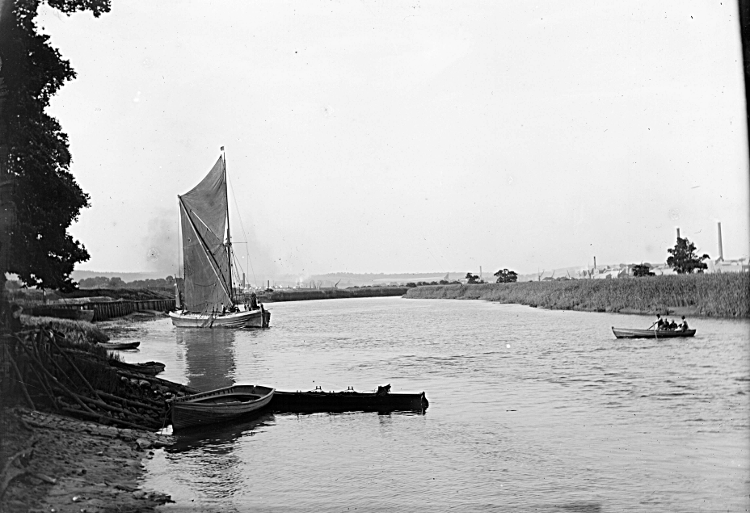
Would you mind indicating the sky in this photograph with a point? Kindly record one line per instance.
(409, 136)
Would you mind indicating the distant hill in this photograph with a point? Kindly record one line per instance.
(344, 280)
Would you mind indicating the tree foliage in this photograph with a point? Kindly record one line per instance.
(102, 282)
(683, 258)
(506, 276)
(641, 270)
(472, 278)
(46, 196)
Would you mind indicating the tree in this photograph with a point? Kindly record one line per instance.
(472, 278)
(40, 197)
(683, 258)
(506, 276)
(640, 270)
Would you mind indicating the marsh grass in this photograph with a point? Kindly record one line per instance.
(74, 331)
(712, 295)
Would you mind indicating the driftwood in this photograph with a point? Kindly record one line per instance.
(75, 367)
(109, 407)
(158, 381)
(56, 382)
(41, 355)
(131, 402)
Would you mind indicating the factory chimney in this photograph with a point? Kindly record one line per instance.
(678, 233)
(721, 247)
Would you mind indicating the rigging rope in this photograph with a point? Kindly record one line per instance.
(242, 227)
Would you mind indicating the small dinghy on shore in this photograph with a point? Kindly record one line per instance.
(218, 405)
(148, 368)
(630, 333)
(119, 345)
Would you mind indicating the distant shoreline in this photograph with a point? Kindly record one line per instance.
(312, 294)
(706, 295)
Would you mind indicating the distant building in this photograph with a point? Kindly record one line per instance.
(728, 266)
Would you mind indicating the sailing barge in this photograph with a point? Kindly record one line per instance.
(207, 253)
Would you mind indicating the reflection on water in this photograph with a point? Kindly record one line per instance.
(219, 438)
(530, 410)
(209, 357)
(208, 457)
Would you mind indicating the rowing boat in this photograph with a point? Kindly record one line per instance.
(119, 345)
(631, 333)
(218, 405)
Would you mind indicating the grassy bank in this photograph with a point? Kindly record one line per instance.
(307, 294)
(78, 331)
(711, 295)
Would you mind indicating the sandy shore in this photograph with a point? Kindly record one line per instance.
(52, 463)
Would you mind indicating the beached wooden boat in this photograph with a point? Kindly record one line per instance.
(631, 333)
(218, 405)
(120, 345)
(317, 401)
(148, 368)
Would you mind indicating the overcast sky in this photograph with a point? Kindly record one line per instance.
(409, 137)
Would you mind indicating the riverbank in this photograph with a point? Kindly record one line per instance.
(56, 463)
(74, 428)
(709, 295)
(309, 294)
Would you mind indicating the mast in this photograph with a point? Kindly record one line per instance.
(229, 233)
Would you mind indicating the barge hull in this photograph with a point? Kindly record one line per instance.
(338, 402)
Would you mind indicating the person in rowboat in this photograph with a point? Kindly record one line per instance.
(658, 324)
(684, 325)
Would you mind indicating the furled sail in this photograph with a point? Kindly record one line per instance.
(203, 216)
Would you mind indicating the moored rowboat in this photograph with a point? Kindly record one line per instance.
(218, 405)
(119, 345)
(631, 333)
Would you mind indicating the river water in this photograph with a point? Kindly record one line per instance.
(530, 410)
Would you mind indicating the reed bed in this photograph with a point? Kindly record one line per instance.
(78, 331)
(710, 295)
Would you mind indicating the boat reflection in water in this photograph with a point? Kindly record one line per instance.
(208, 462)
(209, 357)
(219, 439)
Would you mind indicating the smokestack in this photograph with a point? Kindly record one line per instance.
(594, 263)
(721, 247)
(678, 233)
